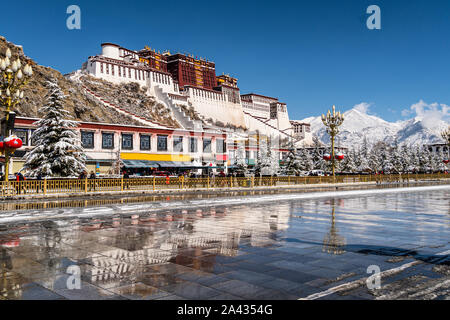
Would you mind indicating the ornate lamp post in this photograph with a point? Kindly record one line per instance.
(12, 78)
(332, 121)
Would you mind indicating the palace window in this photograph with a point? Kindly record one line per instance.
(107, 68)
(145, 142)
(193, 145)
(162, 143)
(129, 72)
(22, 134)
(32, 141)
(206, 145)
(220, 146)
(127, 141)
(178, 144)
(87, 139)
(107, 140)
(101, 67)
(112, 69)
(120, 71)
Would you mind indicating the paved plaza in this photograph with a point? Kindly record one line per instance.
(317, 248)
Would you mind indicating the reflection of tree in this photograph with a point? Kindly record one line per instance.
(52, 239)
(10, 287)
(332, 242)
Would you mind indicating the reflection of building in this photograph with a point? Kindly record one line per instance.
(198, 232)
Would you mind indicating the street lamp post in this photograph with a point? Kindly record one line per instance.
(12, 78)
(332, 121)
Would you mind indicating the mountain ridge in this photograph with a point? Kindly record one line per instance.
(359, 124)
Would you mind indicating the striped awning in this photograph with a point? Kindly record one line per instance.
(139, 164)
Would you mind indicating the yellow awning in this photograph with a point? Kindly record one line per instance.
(155, 157)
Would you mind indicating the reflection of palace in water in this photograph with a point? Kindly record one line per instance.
(115, 247)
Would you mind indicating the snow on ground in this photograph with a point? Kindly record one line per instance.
(127, 209)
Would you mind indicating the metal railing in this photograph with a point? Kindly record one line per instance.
(83, 186)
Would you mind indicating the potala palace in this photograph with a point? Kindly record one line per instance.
(179, 80)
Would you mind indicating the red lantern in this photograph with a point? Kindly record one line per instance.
(2, 145)
(326, 157)
(339, 156)
(12, 142)
(446, 161)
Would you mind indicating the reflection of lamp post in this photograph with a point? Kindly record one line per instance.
(332, 121)
(332, 242)
(446, 135)
(12, 79)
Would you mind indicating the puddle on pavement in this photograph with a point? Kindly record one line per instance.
(266, 250)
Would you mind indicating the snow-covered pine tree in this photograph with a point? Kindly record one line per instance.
(292, 165)
(423, 157)
(241, 162)
(348, 165)
(305, 161)
(440, 157)
(396, 158)
(405, 156)
(414, 158)
(274, 162)
(362, 157)
(263, 161)
(376, 158)
(317, 156)
(58, 151)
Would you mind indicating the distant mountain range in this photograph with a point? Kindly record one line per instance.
(358, 124)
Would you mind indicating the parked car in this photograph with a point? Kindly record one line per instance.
(161, 174)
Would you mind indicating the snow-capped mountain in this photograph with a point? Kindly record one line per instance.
(358, 124)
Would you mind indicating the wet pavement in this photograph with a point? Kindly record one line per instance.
(291, 249)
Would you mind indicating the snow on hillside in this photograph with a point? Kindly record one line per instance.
(359, 124)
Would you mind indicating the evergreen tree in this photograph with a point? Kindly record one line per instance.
(423, 159)
(58, 151)
(317, 156)
(292, 163)
(305, 160)
(274, 162)
(362, 160)
(241, 162)
(440, 157)
(263, 160)
(405, 156)
(348, 165)
(396, 159)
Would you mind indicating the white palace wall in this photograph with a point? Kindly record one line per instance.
(215, 105)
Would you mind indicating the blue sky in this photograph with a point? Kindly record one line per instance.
(309, 54)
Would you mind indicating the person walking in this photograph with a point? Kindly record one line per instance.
(39, 182)
(126, 178)
(20, 184)
(92, 176)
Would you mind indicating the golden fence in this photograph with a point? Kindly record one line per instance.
(81, 186)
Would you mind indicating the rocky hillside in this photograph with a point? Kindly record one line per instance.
(133, 98)
(81, 106)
